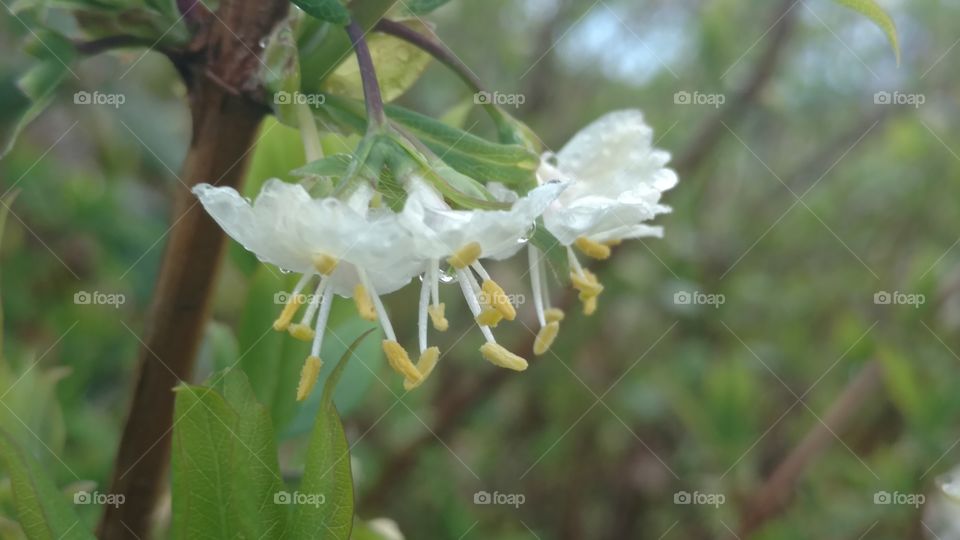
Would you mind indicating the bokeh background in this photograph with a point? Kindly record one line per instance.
(804, 197)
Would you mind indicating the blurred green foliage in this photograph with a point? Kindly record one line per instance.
(815, 199)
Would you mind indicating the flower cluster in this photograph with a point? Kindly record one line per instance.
(601, 188)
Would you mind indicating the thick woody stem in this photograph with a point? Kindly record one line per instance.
(224, 128)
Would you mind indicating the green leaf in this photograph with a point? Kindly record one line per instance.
(225, 472)
(357, 376)
(327, 472)
(903, 383)
(43, 511)
(399, 65)
(326, 10)
(871, 10)
(475, 157)
(422, 7)
(511, 165)
(278, 151)
(27, 96)
(335, 165)
(270, 359)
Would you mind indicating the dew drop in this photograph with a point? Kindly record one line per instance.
(447, 276)
(525, 237)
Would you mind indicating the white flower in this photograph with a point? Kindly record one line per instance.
(462, 238)
(353, 250)
(616, 179)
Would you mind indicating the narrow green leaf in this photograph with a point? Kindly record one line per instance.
(325, 10)
(327, 475)
(871, 10)
(27, 96)
(475, 157)
(43, 511)
(422, 7)
(335, 165)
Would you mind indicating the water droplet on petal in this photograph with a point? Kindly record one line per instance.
(525, 237)
(447, 275)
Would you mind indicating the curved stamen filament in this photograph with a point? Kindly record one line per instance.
(574, 263)
(422, 312)
(470, 295)
(293, 304)
(303, 331)
(534, 256)
(377, 306)
(325, 304)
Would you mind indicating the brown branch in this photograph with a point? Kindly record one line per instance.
(224, 127)
(710, 133)
(776, 492)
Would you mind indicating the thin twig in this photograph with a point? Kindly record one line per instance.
(776, 492)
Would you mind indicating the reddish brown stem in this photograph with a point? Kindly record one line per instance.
(778, 489)
(224, 127)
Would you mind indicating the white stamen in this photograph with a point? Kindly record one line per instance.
(536, 285)
(574, 263)
(464, 277)
(547, 304)
(301, 284)
(434, 270)
(479, 268)
(314, 302)
(321, 328)
(377, 305)
(422, 314)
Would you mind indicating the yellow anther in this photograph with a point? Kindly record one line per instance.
(301, 332)
(499, 356)
(589, 305)
(399, 360)
(426, 363)
(308, 376)
(613, 243)
(465, 256)
(324, 263)
(545, 338)
(289, 310)
(494, 297)
(591, 248)
(438, 318)
(553, 315)
(364, 304)
(489, 317)
(587, 283)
